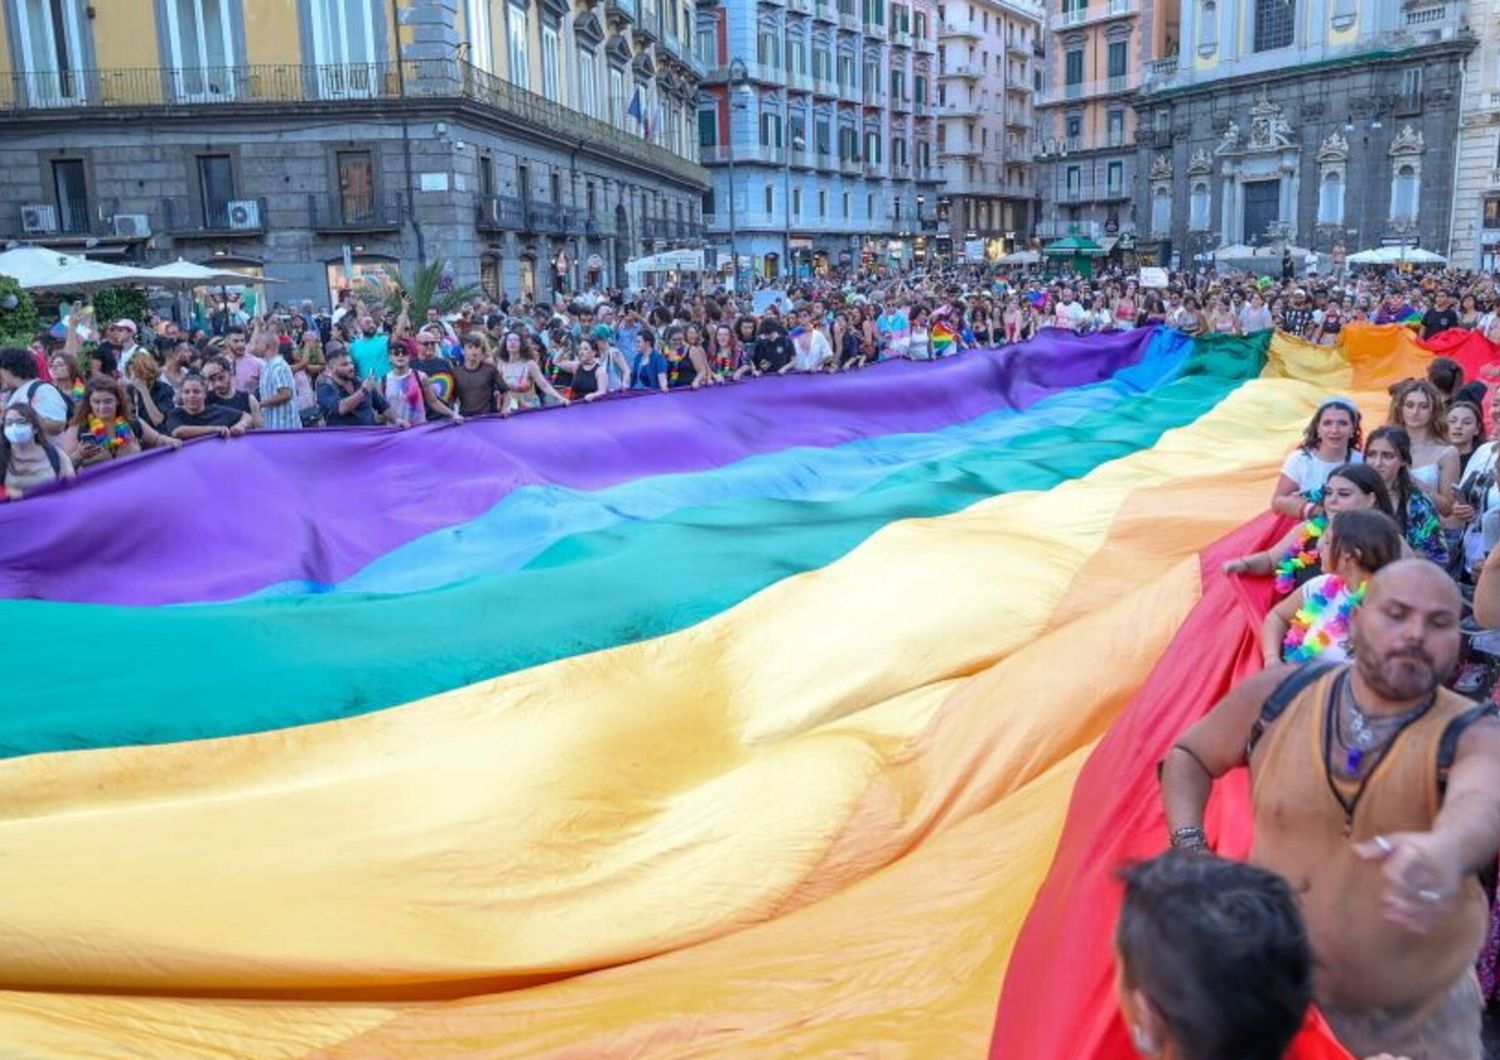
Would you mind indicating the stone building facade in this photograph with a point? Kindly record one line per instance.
(1096, 57)
(1476, 198)
(534, 148)
(817, 122)
(990, 66)
(1332, 132)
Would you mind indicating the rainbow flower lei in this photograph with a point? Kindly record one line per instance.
(1304, 554)
(1300, 643)
(110, 437)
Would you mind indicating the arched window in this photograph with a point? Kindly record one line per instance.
(1198, 207)
(1208, 27)
(1404, 193)
(1161, 211)
(1331, 199)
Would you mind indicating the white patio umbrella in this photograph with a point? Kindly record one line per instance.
(1396, 255)
(39, 269)
(183, 275)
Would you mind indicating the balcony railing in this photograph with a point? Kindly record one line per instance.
(924, 44)
(333, 87)
(77, 219)
(189, 217)
(501, 213)
(1082, 16)
(355, 213)
(901, 38)
(670, 229)
(960, 29)
(598, 226)
(1119, 83)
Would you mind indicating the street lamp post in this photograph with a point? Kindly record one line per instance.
(795, 143)
(737, 77)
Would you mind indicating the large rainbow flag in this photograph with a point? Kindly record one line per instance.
(801, 718)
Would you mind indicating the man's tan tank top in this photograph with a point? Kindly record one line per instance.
(1363, 960)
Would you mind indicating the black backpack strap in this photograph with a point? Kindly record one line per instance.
(53, 458)
(1281, 697)
(1448, 745)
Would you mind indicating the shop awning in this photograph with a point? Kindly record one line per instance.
(1074, 246)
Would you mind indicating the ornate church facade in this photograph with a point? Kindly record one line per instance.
(1333, 132)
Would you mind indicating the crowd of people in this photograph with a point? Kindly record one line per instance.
(79, 397)
(1375, 777)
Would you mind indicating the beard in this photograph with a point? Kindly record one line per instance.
(1410, 673)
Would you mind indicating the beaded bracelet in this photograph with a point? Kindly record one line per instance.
(1189, 838)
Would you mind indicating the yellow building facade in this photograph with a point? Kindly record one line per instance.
(536, 146)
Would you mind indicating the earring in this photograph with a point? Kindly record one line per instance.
(1143, 1043)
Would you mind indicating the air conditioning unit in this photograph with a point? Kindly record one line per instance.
(132, 225)
(38, 219)
(244, 214)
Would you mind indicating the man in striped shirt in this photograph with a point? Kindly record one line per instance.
(277, 389)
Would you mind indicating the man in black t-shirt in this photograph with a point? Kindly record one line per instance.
(773, 349)
(430, 362)
(1440, 317)
(1297, 317)
(195, 418)
(218, 373)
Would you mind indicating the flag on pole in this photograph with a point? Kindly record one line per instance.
(634, 110)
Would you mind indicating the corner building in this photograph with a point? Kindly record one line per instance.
(1096, 56)
(1322, 124)
(536, 146)
(1476, 199)
(817, 123)
(989, 53)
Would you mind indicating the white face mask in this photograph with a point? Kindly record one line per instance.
(18, 433)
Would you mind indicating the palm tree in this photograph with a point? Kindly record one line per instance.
(431, 286)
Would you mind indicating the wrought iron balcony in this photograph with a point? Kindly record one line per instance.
(371, 212)
(324, 90)
(187, 218)
(501, 213)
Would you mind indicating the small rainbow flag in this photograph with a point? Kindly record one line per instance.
(944, 339)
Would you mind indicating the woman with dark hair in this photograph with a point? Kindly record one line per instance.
(1466, 432)
(103, 427)
(151, 396)
(1332, 438)
(28, 458)
(1388, 452)
(1294, 559)
(1313, 621)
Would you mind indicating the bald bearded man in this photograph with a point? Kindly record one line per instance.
(1376, 793)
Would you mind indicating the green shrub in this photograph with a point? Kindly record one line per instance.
(18, 326)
